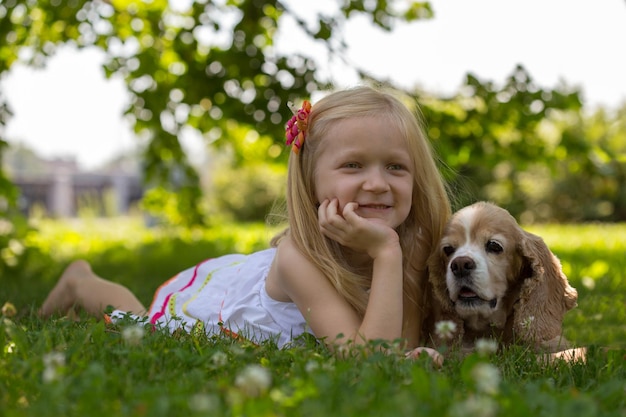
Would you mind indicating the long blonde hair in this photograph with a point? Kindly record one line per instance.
(420, 232)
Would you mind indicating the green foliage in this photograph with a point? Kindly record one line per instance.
(249, 194)
(13, 229)
(209, 66)
(205, 65)
(530, 149)
(247, 177)
(212, 67)
(13, 225)
(488, 136)
(590, 171)
(171, 207)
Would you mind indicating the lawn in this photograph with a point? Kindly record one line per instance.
(89, 368)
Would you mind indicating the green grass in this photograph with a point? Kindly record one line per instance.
(100, 371)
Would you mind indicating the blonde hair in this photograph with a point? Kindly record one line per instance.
(420, 232)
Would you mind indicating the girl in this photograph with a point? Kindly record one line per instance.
(366, 206)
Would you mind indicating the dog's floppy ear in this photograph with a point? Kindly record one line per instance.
(545, 294)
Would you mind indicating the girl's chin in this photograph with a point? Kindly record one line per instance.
(382, 219)
(375, 219)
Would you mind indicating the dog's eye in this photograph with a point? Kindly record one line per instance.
(493, 247)
(448, 250)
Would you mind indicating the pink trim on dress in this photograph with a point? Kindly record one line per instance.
(161, 312)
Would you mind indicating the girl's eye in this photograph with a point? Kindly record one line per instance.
(351, 165)
(395, 167)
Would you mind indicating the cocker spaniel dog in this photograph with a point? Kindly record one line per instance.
(495, 280)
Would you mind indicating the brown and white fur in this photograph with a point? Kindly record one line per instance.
(495, 280)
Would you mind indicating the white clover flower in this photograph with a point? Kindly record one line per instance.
(9, 326)
(588, 283)
(236, 350)
(219, 358)
(6, 227)
(203, 403)
(486, 347)
(54, 360)
(487, 378)
(445, 329)
(475, 406)
(254, 380)
(16, 247)
(528, 322)
(133, 335)
(10, 347)
(311, 366)
(8, 310)
(50, 375)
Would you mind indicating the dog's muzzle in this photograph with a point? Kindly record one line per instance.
(468, 298)
(462, 268)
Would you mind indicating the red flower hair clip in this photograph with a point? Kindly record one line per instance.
(297, 125)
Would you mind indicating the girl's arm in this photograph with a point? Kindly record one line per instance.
(329, 315)
(327, 312)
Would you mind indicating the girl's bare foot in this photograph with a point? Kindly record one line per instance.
(62, 298)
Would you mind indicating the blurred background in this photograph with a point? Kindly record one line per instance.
(175, 110)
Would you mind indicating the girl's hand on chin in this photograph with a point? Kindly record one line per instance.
(351, 230)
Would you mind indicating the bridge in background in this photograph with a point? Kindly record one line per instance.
(62, 189)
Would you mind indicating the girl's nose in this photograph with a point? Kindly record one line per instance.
(376, 180)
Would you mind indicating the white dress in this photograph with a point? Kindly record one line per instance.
(227, 295)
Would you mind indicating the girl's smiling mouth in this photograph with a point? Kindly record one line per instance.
(374, 207)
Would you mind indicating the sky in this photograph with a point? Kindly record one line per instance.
(70, 109)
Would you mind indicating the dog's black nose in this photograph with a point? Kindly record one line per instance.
(462, 266)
